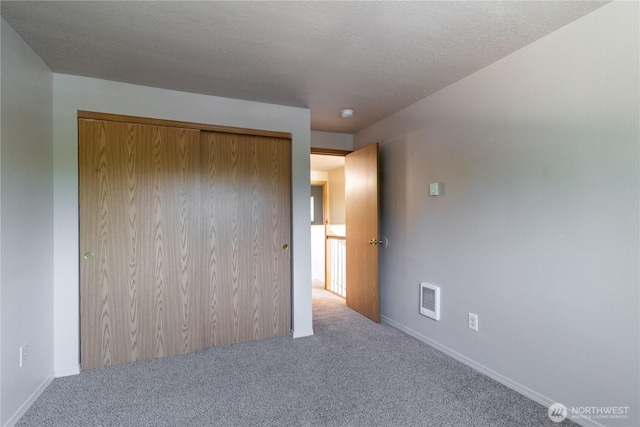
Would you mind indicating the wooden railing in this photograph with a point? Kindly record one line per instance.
(336, 265)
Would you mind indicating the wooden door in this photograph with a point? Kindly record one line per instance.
(362, 224)
(246, 204)
(159, 276)
(140, 240)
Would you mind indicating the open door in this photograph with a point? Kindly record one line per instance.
(362, 224)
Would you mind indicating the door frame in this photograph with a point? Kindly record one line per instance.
(82, 114)
(325, 198)
(330, 152)
(326, 219)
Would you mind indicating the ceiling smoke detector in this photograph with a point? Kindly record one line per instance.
(345, 113)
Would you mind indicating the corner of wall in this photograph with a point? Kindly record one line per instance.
(26, 202)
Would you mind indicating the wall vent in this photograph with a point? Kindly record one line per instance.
(430, 301)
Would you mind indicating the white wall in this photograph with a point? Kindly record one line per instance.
(537, 231)
(332, 140)
(72, 93)
(317, 252)
(337, 210)
(26, 230)
(319, 176)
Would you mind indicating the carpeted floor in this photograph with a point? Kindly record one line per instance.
(352, 372)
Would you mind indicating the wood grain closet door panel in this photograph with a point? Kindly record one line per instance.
(246, 202)
(187, 230)
(139, 199)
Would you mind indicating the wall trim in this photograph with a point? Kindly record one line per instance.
(303, 333)
(91, 115)
(330, 152)
(67, 372)
(27, 404)
(531, 394)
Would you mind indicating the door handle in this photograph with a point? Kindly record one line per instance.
(88, 255)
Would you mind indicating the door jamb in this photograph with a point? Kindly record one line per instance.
(330, 152)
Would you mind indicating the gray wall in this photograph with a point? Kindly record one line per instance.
(331, 140)
(537, 231)
(26, 230)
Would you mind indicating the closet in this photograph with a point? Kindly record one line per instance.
(184, 237)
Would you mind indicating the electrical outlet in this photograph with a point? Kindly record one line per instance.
(473, 322)
(24, 355)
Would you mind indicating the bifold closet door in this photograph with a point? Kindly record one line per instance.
(247, 202)
(184, 240)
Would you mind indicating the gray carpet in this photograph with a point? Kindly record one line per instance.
(352, 372)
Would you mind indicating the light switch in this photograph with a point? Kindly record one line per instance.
(436, 188)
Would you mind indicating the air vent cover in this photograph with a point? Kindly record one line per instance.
(430, 301)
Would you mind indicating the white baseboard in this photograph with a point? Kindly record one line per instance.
(531, 394)
(27, 404)
(67, 372)
(300, 334)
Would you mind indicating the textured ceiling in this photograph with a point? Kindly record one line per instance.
(375, 57)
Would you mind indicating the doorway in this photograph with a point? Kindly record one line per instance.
(328, 233)
(355, 221)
